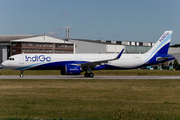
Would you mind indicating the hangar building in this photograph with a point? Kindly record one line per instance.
(16, 44)
(99, 46)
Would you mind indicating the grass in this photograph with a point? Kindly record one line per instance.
(90, 99)
(100, 72)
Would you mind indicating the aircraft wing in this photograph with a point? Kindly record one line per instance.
(93, 64)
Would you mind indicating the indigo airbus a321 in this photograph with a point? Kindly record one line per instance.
(74, 64)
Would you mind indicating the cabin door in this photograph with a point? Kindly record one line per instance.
(21, 59)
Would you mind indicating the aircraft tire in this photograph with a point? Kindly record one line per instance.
(91, 75)
(21, 75)
(86, 75)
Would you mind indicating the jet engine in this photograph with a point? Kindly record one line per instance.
(71, 70)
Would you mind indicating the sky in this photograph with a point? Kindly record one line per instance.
(120, 20)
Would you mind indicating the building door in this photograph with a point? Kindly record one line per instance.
(0, 54)
(21, 59)
(3, 53)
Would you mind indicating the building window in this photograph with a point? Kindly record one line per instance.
(30, 50)
(140, 43)
(27, 50)
(62, 51)
(50, 45)
(23, 44)
(33, 50)
(50, 50)
(44, 45)
(14, 44)
(30, 44)
(65, 46)
(33, 44)
(59, 51)
(71, 46)
(14, 50)
(47, 45)
(44, 50)
(62, 45)
(37, 44)
(40, 50)
(26, 44)
(23, 50)
(59, 45)
(37, 50)
(40, 45)
(56, 50)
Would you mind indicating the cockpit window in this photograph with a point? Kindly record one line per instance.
(11, 58)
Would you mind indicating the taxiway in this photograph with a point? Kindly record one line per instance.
(82, 77)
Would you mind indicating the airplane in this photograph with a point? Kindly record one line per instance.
(74, 64)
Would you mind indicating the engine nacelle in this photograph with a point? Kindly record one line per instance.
(71, 70)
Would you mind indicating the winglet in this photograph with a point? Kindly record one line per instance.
(120, 54)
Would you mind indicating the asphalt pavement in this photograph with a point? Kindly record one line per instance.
(82, 77)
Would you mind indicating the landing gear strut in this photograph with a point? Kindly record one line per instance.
(88, 74)
(21, 75)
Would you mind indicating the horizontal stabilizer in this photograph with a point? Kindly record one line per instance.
(163, 58)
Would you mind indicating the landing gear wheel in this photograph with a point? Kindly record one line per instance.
(86, 75)
(91, 75)
(88, 72)
(21, 75)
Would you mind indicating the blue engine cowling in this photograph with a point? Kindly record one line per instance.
(71, 70)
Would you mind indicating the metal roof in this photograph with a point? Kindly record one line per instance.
(87, 40)
(30, 38)
(8, 38)
(111, 42)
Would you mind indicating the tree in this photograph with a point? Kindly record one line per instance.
(176, 45)
(175, 64)
(170, 64)
(162, 65)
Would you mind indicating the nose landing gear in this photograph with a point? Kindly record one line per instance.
(21, 75)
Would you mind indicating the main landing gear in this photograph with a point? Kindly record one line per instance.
(21, 75)
(88, 74)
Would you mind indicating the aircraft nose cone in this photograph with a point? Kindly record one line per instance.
(3, 64)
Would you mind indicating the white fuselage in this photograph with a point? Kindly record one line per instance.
(27, 61)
